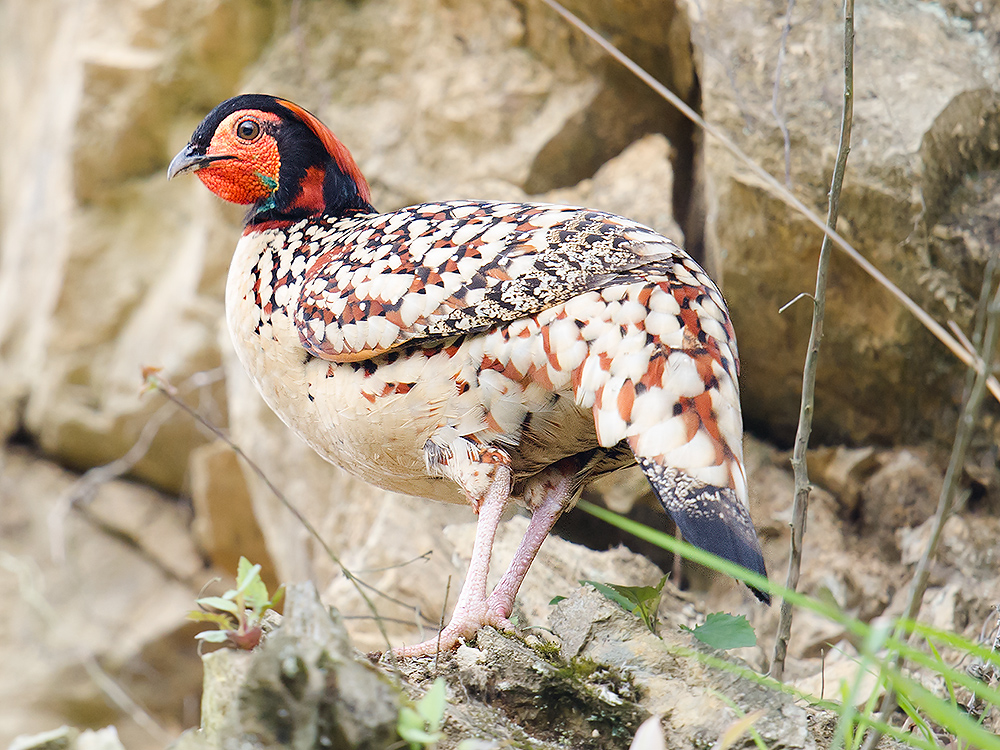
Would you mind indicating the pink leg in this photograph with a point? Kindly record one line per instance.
(543, 518)
(471, 612)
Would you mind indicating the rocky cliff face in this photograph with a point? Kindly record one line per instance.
(926, 131)
(105, 268)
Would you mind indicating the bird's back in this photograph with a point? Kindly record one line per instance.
(558, 331)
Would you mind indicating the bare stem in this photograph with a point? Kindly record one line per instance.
(800, 505)
(963, 436)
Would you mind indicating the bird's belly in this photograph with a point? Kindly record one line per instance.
(374, 418)
(343, 411)
(372, 422)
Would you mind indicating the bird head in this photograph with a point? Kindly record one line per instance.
(275, 157)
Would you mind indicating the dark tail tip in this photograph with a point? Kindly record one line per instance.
(735, 542)
(711, 518)
(762, 596)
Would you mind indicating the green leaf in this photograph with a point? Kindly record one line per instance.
(431, 706)
(642, 601)
(556, 600)
(610, 593)
(212, 636)
(412, 728)
(218, 602)
(725, 631)
(421, 727)
(244, 606)
(248, 582)
(279, 594)
(254, 590)
(224, 621)
(408, 719)
(417, 737)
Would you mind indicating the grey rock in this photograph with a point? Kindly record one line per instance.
(918, 153)
(62, 738)
(671, 679)
(69, 738)
(304, 687)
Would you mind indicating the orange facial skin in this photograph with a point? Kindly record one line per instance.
(251, 174)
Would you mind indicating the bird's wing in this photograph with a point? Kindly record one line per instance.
(431, 272)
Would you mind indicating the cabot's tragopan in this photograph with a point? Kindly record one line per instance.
(473, 351)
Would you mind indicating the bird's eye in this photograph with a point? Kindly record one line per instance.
(247, 130)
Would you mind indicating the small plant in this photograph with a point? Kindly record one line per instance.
(239, 612)
(642, 601)
(420, 726)
(876, 643)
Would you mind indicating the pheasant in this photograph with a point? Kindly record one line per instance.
(473, 351)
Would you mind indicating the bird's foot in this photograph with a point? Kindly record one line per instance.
(464, 624)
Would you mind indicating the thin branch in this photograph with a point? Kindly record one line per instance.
(963, 437)
(426, 556)
(785, 195)
(800, 295)
(84, 489)
(802, 487)
(444, 606)
(418, 613)
(397, 620)
(960, 335)
(155, 382)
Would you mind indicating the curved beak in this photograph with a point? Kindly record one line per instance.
(188, 160)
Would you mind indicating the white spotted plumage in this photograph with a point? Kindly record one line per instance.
(584, 355)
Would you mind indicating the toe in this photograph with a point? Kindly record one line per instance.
(448, 641)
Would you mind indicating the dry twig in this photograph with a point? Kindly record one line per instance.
(155, 382)
(800, 505)
(29, 580)
(84, 490)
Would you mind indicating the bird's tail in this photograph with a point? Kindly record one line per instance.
(709, 517)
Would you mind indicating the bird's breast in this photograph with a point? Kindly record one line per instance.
(372, 417)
